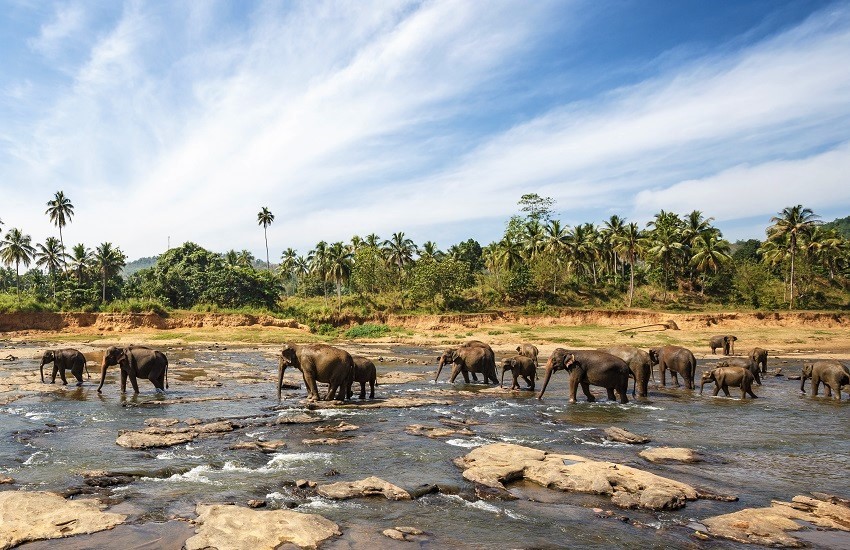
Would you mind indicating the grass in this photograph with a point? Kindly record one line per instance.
(367, 331)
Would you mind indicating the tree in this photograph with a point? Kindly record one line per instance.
(51, 256)
(555, 244)
(792, 223)
(631, 242)
(287, 265)
(710, 252)
(318, 258)
(245, 259)
(17, 248)
(612, 232)
(537, 208)
(265, 218)
(430, 251)
(399, 251)
(665, 243)
(60, 211)
(339, 264)
(80, 260)
(108, 260)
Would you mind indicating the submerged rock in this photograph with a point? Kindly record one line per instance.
(299, 418)
(262, 446)
(771, 526)
(403, 533)
(237, 528)
(388, 403)
(622, 436)
(343, 426)
(322, 441)
(660, 455)
(371, 486)
(491, 465)
(161, 422)
(153, 437)
(434, 432)
(28, 516)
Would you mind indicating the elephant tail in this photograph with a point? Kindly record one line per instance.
(166, 370)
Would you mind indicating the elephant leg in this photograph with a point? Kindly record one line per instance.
(312, 388)
(611, 396)
(77, 371)
(663, 370)
(585, 387)
(134, 382)
(332, 388)
(827, 389)
(155, 380)
(750, 391)
(716, 389)
(725, 388)
(528, 380)
(371, 389)
(573, 388)
(815, 384)
(123, 381)
(674, 378)
(362, 390)
(53, 374)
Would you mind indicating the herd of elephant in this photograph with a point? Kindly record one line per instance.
(609, 367)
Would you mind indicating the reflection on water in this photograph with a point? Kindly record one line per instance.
(774, 447)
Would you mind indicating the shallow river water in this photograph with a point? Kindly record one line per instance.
(778, 446)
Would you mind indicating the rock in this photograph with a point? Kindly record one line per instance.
(622, 436)
(427, 431)
(161, 422)
(28, 516)
(388, 403)
(300, 418)
(237, 528)
(403, 533)
(322, 441)
(341, 427)
(262, 446)
(793, 377)
(193, 421)
(371, 486)
(6, 480)
(422, 490)
(493, 464)
(459, 423)
(214, 427)
(770, 526)
(152, 437)
(256, 503)
(399, 377)
(660, 455)
(305, 484)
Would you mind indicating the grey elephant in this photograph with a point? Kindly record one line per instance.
(677, 360)
(519, 365)
(364, 372)
(136, 362)
(529, 350)
(589, 367)
(759, 357)
(743, 362)
(639, 365)
(724, 377)
(832, 373)
(318, 363)
(726, 342)
(62, 359)
(470, 358)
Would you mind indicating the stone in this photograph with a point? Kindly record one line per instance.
(256, 503)
(399, 377)
(341, 427)
(388, 403)
(161, 422)
(432, 432)
(214, 427)
(660, 455)
(153, 437)
(622, 436)
(497, 463)
(771, 526)
(322, 441)
(237, 528)
(371, 486)
(303, 484)
(403, 533)
(28, 516)
(300, 418)
(262, 446)
(6, 480)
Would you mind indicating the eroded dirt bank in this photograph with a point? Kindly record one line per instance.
(12, 322)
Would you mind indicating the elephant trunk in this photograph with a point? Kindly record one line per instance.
(803, 383)
(280, 368)
(103, 368)
(41, 368)
(502, 383)
(701, 386)
(439, 370)
(550, 368)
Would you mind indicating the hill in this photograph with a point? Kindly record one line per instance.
(138, 265)
(841, 224)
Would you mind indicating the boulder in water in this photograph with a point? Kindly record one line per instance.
(622, 436)
(660, 455)
(371, 486)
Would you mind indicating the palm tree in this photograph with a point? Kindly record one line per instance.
(710, 251)
(51, 255)
(287, 265)
(17, 247)
(399, 252)
(231, 258)
(60, 211)
(509, 253)
(244, 258)
(80, 259)
(556, 244)
(533, 240)
(356, 244)
(372, 240)
(318, 258)
(108, 260)
(792, 223)
(630, 242)
(430, 251)
(612, 232)
(265, 218)
(339, 263)
(665, 245)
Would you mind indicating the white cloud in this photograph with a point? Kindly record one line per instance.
(67, 21)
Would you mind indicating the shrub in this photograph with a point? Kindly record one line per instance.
(367, 331)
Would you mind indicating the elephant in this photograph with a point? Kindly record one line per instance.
(520, 365)
(589, 367)
(471, 357)
(727, 342)
(364, 372)
(678, 360)
(318, 363)
(639, 365)
(723, 377)
(759, 357)
(743, 362)
(136, 362)
(833, 374)
(529, 350)
(65, 359)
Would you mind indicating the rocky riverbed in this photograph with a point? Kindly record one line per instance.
(434, 465)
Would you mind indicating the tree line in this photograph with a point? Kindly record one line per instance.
(538, 262)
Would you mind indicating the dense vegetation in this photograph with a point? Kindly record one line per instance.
(675, 261)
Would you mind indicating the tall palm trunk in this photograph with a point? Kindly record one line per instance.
(62, 242)
(631, 279)
(791, 302)
(266, 235)
(18, 278)
(103, 278)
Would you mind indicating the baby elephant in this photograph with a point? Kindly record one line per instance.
(723, 377)
(832, 373)
(759, 357)
(742, 362)
(727, 342)
(364, 371)
(520, 365)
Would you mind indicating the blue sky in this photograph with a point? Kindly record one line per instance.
(182, 119)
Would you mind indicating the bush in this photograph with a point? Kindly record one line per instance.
(136, 305)
(325, 329)
(367, 331)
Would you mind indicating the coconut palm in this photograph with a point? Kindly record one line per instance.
(372, 240)
(631, 243)
(339, 268)
(555, 244)
(792, 223)
(80, 260)
(231, 259)
(108, 260)
(318, 259)
(51, 256)
(533, 240)
(60, 211)
(430, 251)
(666, 246)
(399, 251)
(17, 248)
(265, 218)
(244, 258)
(509, 253)
(611, 233)
(709, 252)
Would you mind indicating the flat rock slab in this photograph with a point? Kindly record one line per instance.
(492, 465)
(403, 533)
(399, 377)
(772, 526)
(339, 428)
(388, 403)
(153, 437)
(371, 486)
(27, 516)
(435, 432)
(322, 441)
(299, 418)
(262, 446)
(161, 422)
(660, 455)
(622, 436)
(236, 528)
